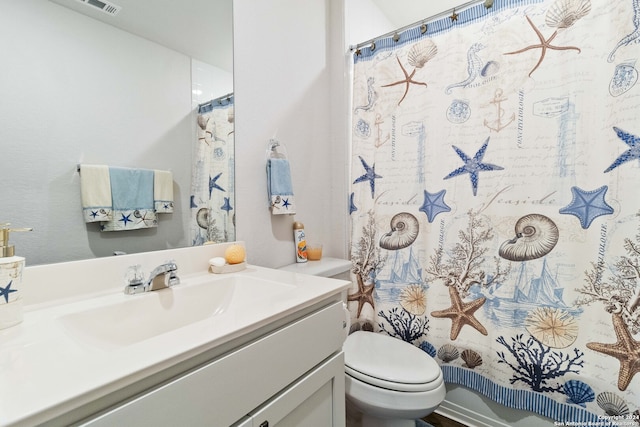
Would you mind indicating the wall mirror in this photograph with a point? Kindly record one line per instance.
(84, 85)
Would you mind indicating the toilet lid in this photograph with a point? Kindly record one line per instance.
(384, 361)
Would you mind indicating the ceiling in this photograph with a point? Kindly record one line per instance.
(201, 29)
(402, 13)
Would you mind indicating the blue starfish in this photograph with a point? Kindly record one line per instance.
(587, 205)
(473, 166)
(126, 219)
(369, 175)
(352, 205)
(6, 291)
(434, 204)
(227, 205)
(213, 184)
(632, 153)
(94, 214)
(285, 203)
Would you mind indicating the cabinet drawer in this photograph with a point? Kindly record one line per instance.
(229, 387)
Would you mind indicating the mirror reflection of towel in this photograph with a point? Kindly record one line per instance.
(163, 191)
(279, 187)
(132, 198)
(95, 191)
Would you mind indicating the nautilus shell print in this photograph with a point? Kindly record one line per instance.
(404, 231)
(202, 218)
(536, 235)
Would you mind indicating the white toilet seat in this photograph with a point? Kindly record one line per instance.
(391, 385)
(390, 363)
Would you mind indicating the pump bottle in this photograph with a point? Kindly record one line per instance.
(11, 267)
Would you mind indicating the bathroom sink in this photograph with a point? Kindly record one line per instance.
(134, 318)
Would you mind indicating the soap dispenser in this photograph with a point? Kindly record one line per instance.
(11, 267)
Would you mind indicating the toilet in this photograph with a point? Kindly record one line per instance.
(391, 382)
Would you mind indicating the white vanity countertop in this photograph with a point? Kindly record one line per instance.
(46, 370)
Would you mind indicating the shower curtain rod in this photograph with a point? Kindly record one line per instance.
(487, 4)
(218, 99)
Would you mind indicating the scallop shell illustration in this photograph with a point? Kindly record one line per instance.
(448, 352)
(471, 358)
(612, 404)
(553, 327)
(202, 121)
(404, 231)
(413, 299)
(420, 53)
(578, 392)
(565, 13)
(428, 348)
(536, 235)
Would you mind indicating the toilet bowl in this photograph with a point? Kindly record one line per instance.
(391, 382)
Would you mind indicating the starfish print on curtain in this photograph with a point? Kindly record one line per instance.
(461, 313)
(418, 56)
(561, 15)
(626, 350)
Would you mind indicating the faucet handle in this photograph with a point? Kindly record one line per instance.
(134, 275)
(134, 280)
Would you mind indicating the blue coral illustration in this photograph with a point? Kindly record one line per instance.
(537, 365)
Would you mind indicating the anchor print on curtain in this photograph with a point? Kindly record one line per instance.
(494, 202)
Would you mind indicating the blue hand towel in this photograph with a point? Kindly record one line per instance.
(132, 198)
(279, 187)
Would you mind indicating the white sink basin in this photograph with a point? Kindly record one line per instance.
(135, 318)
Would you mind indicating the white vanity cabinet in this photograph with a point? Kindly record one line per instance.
(292, 375)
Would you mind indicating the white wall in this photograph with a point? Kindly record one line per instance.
(365, 21)
(75, 90)
(288, 84)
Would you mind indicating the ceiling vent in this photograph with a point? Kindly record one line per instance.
(103, 6)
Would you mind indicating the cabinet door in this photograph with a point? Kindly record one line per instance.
(227, 389)
(317, 399)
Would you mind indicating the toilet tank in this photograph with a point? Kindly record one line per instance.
(334, 268)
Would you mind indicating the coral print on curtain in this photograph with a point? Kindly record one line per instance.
(212, 180)
(495, 207)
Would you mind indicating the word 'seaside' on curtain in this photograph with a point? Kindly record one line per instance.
(212, 180)
(495, 208)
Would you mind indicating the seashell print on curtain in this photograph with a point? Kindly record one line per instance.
(212, 174)
(494, 202)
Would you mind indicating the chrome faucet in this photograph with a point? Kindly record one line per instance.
(163, 276)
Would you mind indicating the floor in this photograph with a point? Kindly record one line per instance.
(437, 420)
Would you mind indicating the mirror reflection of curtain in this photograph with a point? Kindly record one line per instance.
(212, 181)
(494, 203)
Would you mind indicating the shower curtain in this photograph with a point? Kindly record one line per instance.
(212, 180)
(494, 204)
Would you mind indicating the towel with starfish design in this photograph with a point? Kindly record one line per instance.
(280, 187)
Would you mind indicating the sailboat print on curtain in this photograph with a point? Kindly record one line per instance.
(508, 140)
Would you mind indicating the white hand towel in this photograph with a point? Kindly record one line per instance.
(95, 189)
(163, 191)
